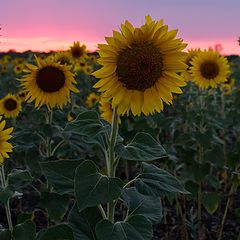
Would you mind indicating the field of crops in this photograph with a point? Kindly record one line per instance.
(140, 140)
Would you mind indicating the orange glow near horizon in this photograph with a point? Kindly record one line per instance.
(46, 44)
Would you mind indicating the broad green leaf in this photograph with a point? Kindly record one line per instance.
(83, 223)
(23, 217)
(192, 187)
(60, 174)
(5, 234)
(58, 232)
(19, 178)
(23, 231)
(87, 123)
(142, 148)
(6, 193)
(56, 205)
(137, 227)
(210, 201)
(148, 206)
(93, 188)
(157, 182)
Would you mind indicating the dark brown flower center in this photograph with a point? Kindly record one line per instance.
(228, 81)
(10, 104)
(77, 52)
(140, 66)
(50, 79)
(209, 69)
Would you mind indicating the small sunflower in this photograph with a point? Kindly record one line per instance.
(18, 68)
(63, 57)
(49, 83)
(191, 53)
(21, 95)
(209, 68)
(140, 67)
(92, 99)
(106, 110)
(4, 68)
(77, 51)
(10, 106)
(5, 147)
(227, 86)
(88, 69)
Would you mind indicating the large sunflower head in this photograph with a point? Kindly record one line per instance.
(50, 83)
(10, 106)
(77, 51)
(190, 54)
(5, 147)
(209, 68)
(140, 67)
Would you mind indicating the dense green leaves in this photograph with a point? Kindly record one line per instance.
(137, 227)
(6, 193)
(58, 232)
(93, 188)
(83, 223)
(142, 148)
(87, 123)
(148, 206)
(5, 234)
(55, 204)
(60, 174)
(23, 231)
(157, 182)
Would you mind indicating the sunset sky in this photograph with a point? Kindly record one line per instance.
(55, 24)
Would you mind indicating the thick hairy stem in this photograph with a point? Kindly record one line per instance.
(7, 206)
(111, 160)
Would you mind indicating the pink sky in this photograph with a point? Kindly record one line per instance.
(54, 24)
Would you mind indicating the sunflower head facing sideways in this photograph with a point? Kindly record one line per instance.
(10, 106)
(77, 51)
(92, 99)
(49, 83)
(140, 67)
(209, 69)
(5, 146)
(190, 54)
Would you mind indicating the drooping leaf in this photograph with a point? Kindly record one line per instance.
(210, 201)
(60, 174)
(93, 188)
(148, 206)
(83, 223)
(142, 148)
(137, 227)
(157, 182)
(56, 205)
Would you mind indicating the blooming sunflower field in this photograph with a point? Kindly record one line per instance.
(137, 141)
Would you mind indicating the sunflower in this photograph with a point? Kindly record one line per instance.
(209, 68)
(227, 86)
(191, 53)
(4, 68)
(10, 106)
(92, 99)
(77, 51)
(140, 67)
(106, 110)
(49, 83)
(88, 69)
(21, 95)
(5, 147)
(18, 68)
(63, 57)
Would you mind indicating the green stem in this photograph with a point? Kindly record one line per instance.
(102, 211)
(225, 213)
(130, 182)
(48, 139)
(111, 160)
(7, 206)
(56, 147)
